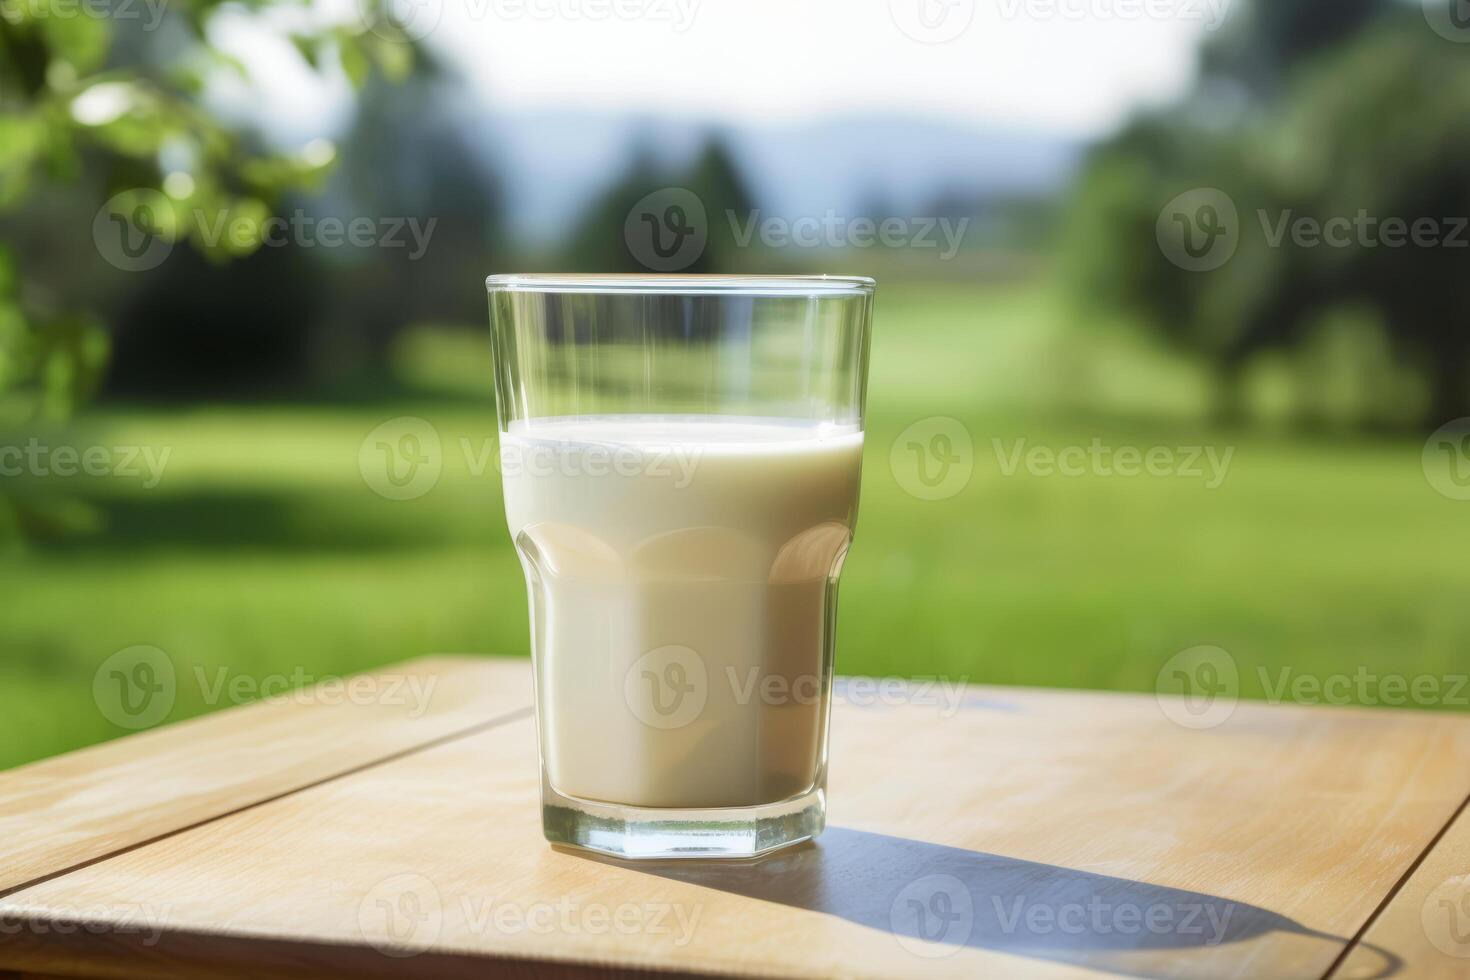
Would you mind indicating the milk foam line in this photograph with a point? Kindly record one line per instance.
(704, 434)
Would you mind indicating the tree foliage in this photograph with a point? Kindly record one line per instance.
(104, 116)
(1371, 125)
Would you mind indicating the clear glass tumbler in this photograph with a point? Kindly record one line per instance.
(681, 458)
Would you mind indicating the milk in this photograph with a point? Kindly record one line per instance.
(682, 574)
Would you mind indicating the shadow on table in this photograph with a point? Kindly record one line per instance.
(928, 895)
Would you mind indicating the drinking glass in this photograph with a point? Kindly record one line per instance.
(680, 458)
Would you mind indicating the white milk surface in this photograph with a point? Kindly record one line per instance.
(680, 570)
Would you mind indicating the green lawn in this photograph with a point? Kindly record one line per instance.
(263, 551)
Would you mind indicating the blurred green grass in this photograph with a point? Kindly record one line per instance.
(264, 552)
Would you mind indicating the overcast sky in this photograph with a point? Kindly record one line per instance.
(1010, 61)
(1074, 67)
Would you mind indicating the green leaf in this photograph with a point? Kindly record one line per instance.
(309, 48)
(394, 59)
(354, 63)
(81, 41)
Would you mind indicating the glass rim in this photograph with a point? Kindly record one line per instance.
(681, 285)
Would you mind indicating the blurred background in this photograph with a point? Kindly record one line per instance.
(1170, 349)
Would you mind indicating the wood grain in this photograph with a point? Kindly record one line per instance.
(1028, 834)
(63, 812)
(1425, 928)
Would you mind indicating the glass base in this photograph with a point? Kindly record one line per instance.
(645, 833)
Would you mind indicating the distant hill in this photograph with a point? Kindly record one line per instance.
(553, 164)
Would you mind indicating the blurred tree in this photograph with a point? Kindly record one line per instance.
(407, 157)
(109, 156)
(601, 243)
(1371, 127)
(298, 309)
(111, 108)
(1265, 40)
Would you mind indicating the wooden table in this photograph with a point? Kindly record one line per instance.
(1023, 833)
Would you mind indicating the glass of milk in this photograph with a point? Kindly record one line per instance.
(681, 458)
